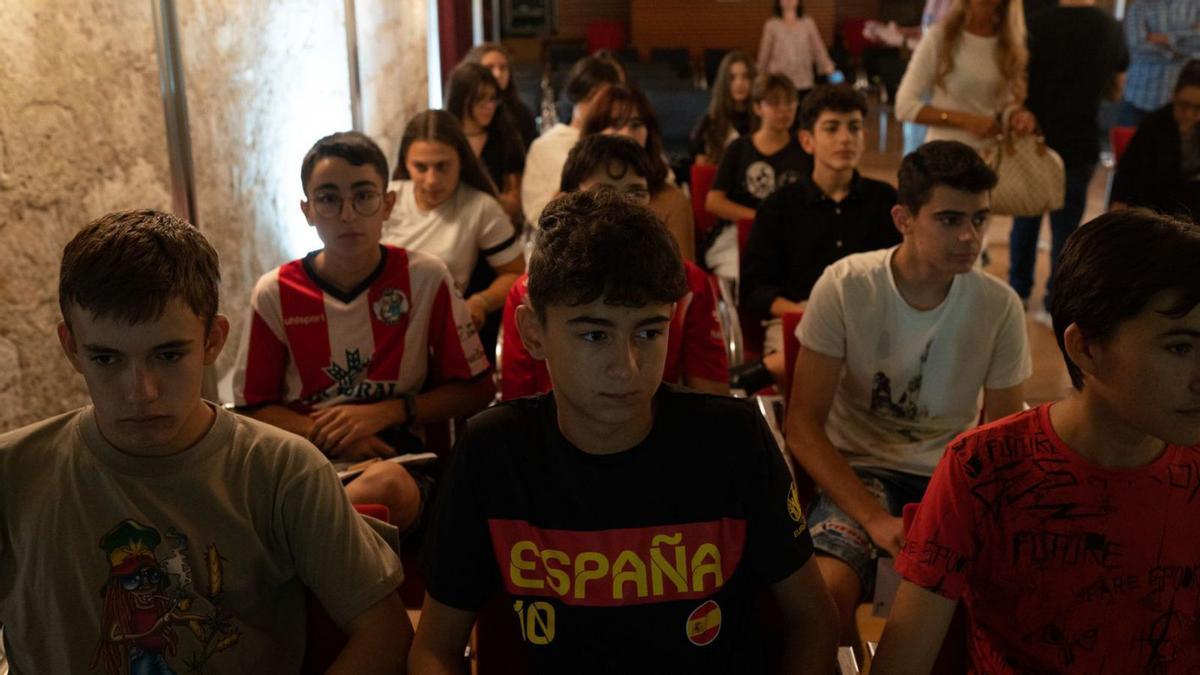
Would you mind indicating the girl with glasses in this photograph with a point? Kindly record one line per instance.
(473, 97)
(621, 109)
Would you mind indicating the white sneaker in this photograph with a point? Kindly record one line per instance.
(1043, 318)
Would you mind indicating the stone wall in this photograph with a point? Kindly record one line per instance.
(392, 66)
(82, 133)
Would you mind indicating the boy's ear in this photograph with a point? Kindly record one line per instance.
(532, 331)
(903, 219)
(389, 202)
(305, 207)
(67, 341)
(1079, 349)
(214, 340)
(806, 140)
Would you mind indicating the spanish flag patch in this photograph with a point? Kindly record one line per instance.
(704, 623)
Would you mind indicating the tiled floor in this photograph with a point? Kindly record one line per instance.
(1049, 381)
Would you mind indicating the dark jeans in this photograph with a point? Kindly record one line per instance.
(1022, 244)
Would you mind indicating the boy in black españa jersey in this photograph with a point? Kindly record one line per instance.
(629, 522)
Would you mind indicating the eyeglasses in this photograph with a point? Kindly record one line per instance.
(780, 102)
(329, 204)
(145, 575)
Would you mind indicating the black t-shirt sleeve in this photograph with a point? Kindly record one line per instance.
(696, 138)
(460, 567)
(514, 159)
(1118, 41)
(883, 232)
(763, 274)
(729, 173)
(777, 538)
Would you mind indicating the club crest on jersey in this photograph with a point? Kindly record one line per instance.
(704, 624)
(391, 306)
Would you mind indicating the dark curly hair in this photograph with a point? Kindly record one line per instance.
(595, 245)
(603, 150)
(614, 107)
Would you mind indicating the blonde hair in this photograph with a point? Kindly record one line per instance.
(1012, 56)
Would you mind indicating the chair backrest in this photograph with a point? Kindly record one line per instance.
(679, 58)
(606, 35)
(852, 37)
(791, 349)
(1119, 138)
(702, 180)
(752, 328)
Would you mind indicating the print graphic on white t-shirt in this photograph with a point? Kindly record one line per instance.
(908, 407)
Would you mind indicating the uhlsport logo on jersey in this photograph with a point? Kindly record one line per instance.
(704, 623)
(391, 306)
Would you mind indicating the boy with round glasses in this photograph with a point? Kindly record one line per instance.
(356, 345)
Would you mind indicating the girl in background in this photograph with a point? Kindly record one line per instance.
(621, 109)
(472, 96)
(729, 112)
(496, 58)
(791, 45)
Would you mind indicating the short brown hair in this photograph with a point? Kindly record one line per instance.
(128, 265)
(771, 83)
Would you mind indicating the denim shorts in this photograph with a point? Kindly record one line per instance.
(837, 535)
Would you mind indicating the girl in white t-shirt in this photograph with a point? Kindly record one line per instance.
(446, 206)
(968, 70)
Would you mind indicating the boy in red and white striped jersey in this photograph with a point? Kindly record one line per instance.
(357, 344)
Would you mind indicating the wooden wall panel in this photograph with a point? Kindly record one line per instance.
(699, 24)
(574, 15)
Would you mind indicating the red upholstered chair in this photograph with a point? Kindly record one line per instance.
(791, 349)
(1119, 138)
(606, 35)
(324, 639)
(856, 45)
(702, 180)
(805, 486)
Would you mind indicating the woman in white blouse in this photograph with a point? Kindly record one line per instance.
(791, 45)
(968, 73)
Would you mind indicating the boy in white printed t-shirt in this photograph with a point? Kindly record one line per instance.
(358, 345)
(896, 346)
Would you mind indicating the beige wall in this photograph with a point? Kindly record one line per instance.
(82, 133)
(392, 60)
(81, 129)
